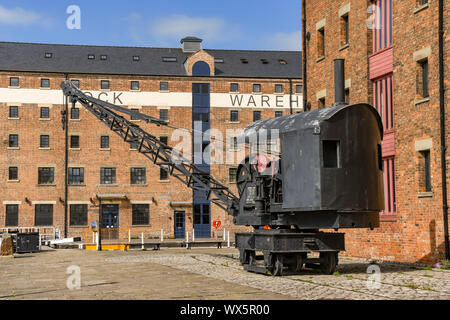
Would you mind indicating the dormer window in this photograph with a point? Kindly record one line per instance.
(91, 56)
(219, 60)
(264, 61)
(282, 62)
(244, 61)
(169, 59)
(136, 58)
(104, 57)
(48, 55)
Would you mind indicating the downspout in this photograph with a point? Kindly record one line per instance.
(65, 116)
(442, 120)
(305, 86)
(290, 97)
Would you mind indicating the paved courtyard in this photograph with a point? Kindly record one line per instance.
(203, 273)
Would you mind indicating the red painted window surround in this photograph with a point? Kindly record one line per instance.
(383, 102)
(382, 32)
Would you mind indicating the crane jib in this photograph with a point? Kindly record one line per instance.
(152, 148)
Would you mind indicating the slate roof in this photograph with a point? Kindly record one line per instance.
(30, 57)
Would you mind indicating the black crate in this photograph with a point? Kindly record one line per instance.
(27, 242)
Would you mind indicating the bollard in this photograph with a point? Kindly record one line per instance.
(224, 233)
(187, 239)
(162, 235)
(228, 244)
(96, 240)
(93, 237)
(142, 240)
(129, 236)
(193, 235)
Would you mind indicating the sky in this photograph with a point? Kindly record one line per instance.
(226, 24)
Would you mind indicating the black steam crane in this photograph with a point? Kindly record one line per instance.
(326, 174)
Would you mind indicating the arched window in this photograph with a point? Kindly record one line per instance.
(201, 68)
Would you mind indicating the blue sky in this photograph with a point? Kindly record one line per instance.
(229, 24)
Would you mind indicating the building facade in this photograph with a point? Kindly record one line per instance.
(194, 89)
(391, 52)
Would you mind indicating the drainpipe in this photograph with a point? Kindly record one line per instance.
(442, 120)
(65, 119)
(305, 86)
(290, 96)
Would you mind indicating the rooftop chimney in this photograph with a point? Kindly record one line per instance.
(191, 44)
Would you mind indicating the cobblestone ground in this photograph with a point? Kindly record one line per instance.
(205, 274)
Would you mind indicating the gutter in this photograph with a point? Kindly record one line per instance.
(442, 124)
(305, 85)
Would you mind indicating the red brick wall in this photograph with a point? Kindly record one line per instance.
(416, 233)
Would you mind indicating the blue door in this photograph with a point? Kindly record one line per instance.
(179, 227)
(110, 221)
(202, 220)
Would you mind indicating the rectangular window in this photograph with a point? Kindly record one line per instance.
(45, 113)
(321, 103)
(135, 85)
(383, 101)
(12, 215)
(164, 86)
(234, 116)
(426, 170)
(78, 215)
(14, 112)
(344, 30)
(257, 88)
(234, 87)
(164, 140)
(13, 173)
(76, 176)
(13, 140)
(45, 83)
(164, 114)
(108, 176)
(331, 154)
(232, 175)
(13, 82)
(422, 84)
(169, 59)
(321, 43)
(256, 116)
(76, 83)
(389, 186)
(140, 214)
(163, 174)
(278, 88)
(278, 114)
(138, 176)
(104, 142)
(74, 142)
(104, 84)
(43, 215)
(347, 96)
(46, 175)
(381, 24)
(299, 88)
(74, 113)
(134, 117)
(45, 141)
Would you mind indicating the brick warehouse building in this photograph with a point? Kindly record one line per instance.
(226, 89)
(391, 51)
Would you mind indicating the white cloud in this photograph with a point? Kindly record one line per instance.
(179, 26)
(18, 16)
(285, 41)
